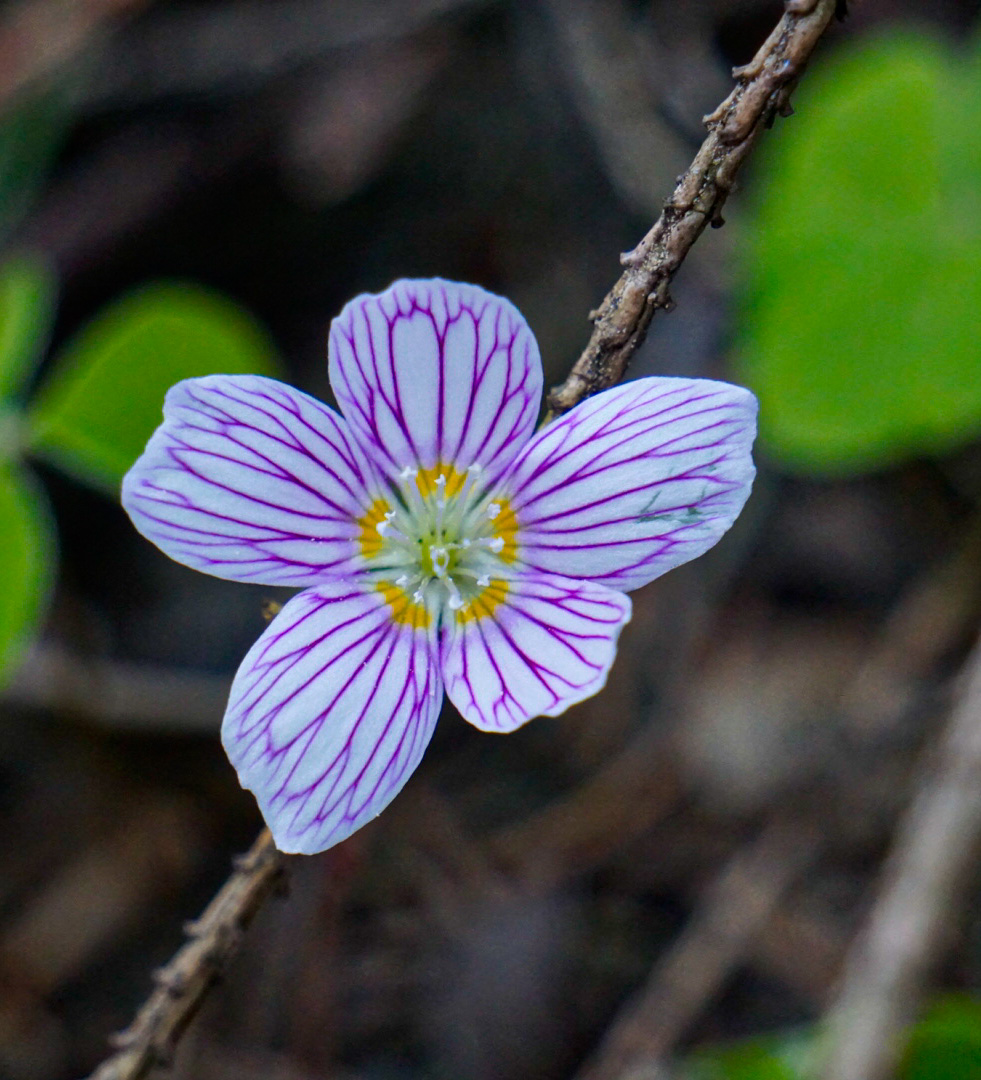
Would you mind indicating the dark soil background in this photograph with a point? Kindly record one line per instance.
(734, 789)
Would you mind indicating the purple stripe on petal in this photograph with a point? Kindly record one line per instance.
(434, 372)
(634, 481)
(330, 713)
(251, 480)
(549, 644)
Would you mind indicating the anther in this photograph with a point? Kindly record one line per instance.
(483, 581)
(493, 509)
(496, 545)
(408, 472)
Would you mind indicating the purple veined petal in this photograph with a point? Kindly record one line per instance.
(436, 373)
(330, 713)
(635, 481)
(251, 480)
(530, 646)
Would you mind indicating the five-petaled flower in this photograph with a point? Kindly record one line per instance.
(440, 543)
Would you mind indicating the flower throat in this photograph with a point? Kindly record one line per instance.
(441, 538)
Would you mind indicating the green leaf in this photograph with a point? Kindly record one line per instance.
(791, 1054)
(27, 307)
(104, 396)
(754, 1059)
(946, 1043)
(27, 554)
(859, 329)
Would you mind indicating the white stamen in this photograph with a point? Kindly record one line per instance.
(437, 532)
(456, 600)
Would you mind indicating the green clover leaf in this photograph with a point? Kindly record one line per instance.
(103, 398)
(860, 329)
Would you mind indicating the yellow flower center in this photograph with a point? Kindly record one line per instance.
(438, 544)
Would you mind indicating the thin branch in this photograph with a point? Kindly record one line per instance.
(611, 67)
(183, 983)
(937, 614)
(637, 787)
(925, 876)
(733, 913)
(763, 92)
(115, 693)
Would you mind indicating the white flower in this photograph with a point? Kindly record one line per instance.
(439, 541)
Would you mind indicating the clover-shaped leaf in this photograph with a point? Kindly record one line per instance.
(26, 536)
(860, 329)
(102, 399)
(26, 561)
(946, 1043)
(748, 1061)
(27, 301)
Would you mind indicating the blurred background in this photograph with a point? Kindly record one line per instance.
(198, 186)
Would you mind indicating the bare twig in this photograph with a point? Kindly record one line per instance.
(803, 948)
(763, 92)
(610, 71)
(117, 694)
(101, 892)
(637, 787)
(183, 983)
(937, 614)
(925, 874)
(733, 912)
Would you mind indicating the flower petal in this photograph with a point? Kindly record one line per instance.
(330, 713)
(635, 480)
(251, 480)
(436, 373)
(531, 646)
